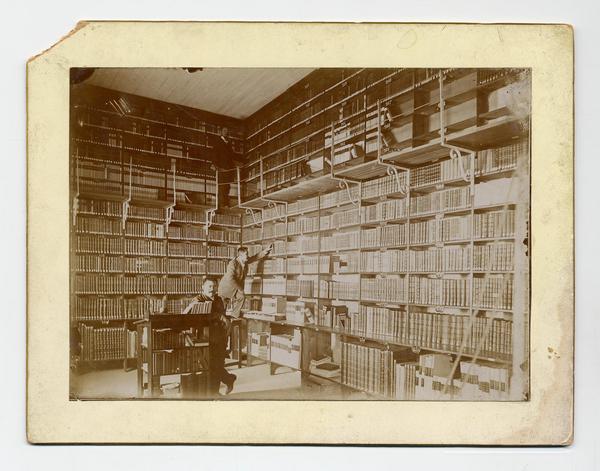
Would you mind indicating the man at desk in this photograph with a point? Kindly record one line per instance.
(232, 284)
(217, 343)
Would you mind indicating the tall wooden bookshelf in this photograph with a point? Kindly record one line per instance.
(144, 230)
(402, 195)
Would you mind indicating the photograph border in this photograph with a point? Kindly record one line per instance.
(547, 418)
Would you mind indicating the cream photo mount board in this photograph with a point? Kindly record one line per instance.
(546, 418)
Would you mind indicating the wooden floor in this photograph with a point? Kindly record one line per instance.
(255, 383)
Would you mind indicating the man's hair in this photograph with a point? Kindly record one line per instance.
(208, 278)
(242, 250)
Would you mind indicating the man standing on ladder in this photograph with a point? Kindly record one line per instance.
(231, 285)
(226, 161)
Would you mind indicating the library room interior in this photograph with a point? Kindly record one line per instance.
(299, 234)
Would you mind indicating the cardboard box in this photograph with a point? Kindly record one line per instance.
(259, 345)
(285, 349)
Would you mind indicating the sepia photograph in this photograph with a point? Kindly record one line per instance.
(300, 233)
(307, 243)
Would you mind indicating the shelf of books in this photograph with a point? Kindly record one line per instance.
(335, 119)
(141, 234)
(410, 283)
(173, 344)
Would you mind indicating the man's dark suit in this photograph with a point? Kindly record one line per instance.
(217, 345)
(225, 160)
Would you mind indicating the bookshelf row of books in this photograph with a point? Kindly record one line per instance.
(101, 309)
(141, 284)
(302, 225)
(112, 309)
(228, 219)
(97, 170)
(271, 266)
(337, 241)
(186, 249)
(187, 267)
(144, 247)
(216, 267)
(170, 338)
(383, 211)
(186, 232)
(180, 198)
(339, 290)
(100, 264)
(435, 260)
(428, 379)
(340, 219)
(489, 337)
(343, 263)
(383, 290)
(487, 225)
(105, 309)
(301, 288)
(188, 216)
(271, 286)
(222, 251)
(142, 212)
(449, 258)
(118, 284)
(433, 377)
(100, 207)
(230, 237)
(439, 292)
(368, 368)
(327, 88)
(134, 247)
(492, 224)
(145, 229)
(266, 286)
(493, 292)
(440, 172)
(166, 124)
(439, 201)
(488, 161)
(115, 209)
(179, 361)
(105, 343)
(135, 144)
(296, 207)
(97, 225)
(385, 236)
(174, 305)
(98, 284)
(285, 174)
(308, 265)
(497, 257)
(338, 198)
